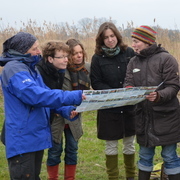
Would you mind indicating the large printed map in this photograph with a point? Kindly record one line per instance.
(110, 98)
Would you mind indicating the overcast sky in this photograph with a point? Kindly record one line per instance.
(165, 12)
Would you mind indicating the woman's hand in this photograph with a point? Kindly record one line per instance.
(73, 114)
(152, 96)
(83, 97)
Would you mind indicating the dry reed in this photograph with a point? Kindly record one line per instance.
(86, 32)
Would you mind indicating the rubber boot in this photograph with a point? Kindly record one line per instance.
(144, 175)
(129, 164)
(174, 177)
(53, 172)
(69, 172)
(112, 167)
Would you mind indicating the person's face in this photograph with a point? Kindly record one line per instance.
(34, 50)
(59, 60)
(77, 56)
(138, 45)
(110, 40)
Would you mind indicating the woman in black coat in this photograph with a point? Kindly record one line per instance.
(108, 70)
(52, 68)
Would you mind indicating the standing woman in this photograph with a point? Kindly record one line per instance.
(108, 69)
(52, 68)
(158, 117)
(76, 77)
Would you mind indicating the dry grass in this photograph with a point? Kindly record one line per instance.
(86, 32)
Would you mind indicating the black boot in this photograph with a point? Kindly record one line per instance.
(174, 177)
(144, 175)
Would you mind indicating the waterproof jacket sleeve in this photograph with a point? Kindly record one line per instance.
(30, 88)
(65, 112)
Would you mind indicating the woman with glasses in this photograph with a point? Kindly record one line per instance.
(76, 76)
(54, 62)
(52, 68)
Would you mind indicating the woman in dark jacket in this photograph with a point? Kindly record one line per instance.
(75, 77)
(108, 69)
(52, 68)
(158, 117)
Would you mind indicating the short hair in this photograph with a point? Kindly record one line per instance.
(51, 47)
(100, 37)
(72, 43)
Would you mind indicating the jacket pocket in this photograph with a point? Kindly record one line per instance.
(164, 121)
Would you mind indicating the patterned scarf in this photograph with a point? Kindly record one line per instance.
(111, 52)
(79, 77)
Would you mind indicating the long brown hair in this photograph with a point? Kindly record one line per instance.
(72, 43)
(100, 37)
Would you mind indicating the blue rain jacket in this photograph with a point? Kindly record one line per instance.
(27, 103)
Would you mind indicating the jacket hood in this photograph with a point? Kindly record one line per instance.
(12, 55)
(151, 50)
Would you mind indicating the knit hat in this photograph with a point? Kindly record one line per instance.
(21, 42)
(144, 33)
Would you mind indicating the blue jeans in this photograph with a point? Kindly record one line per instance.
(71, 147)
(169, 155)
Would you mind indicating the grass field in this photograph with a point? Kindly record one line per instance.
(91, 158)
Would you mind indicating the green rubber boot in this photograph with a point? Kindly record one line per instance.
(129, 164)
(112, 167)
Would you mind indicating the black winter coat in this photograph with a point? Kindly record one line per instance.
(157, 123)
(109, 73)
(52, 77)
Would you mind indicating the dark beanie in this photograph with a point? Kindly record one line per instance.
(21, 42)
(145, 34)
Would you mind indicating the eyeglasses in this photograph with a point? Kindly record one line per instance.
(61, 57)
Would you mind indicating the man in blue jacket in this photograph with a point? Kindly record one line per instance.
(27, 102)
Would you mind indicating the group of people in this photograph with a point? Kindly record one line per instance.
(42, 89)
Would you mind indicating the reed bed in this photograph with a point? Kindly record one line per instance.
(85, 31)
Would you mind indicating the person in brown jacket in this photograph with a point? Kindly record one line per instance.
(157, 119)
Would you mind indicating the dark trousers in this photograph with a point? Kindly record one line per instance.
(26, 166)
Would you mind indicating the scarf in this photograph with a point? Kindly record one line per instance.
(79, 77)
(111, 52)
